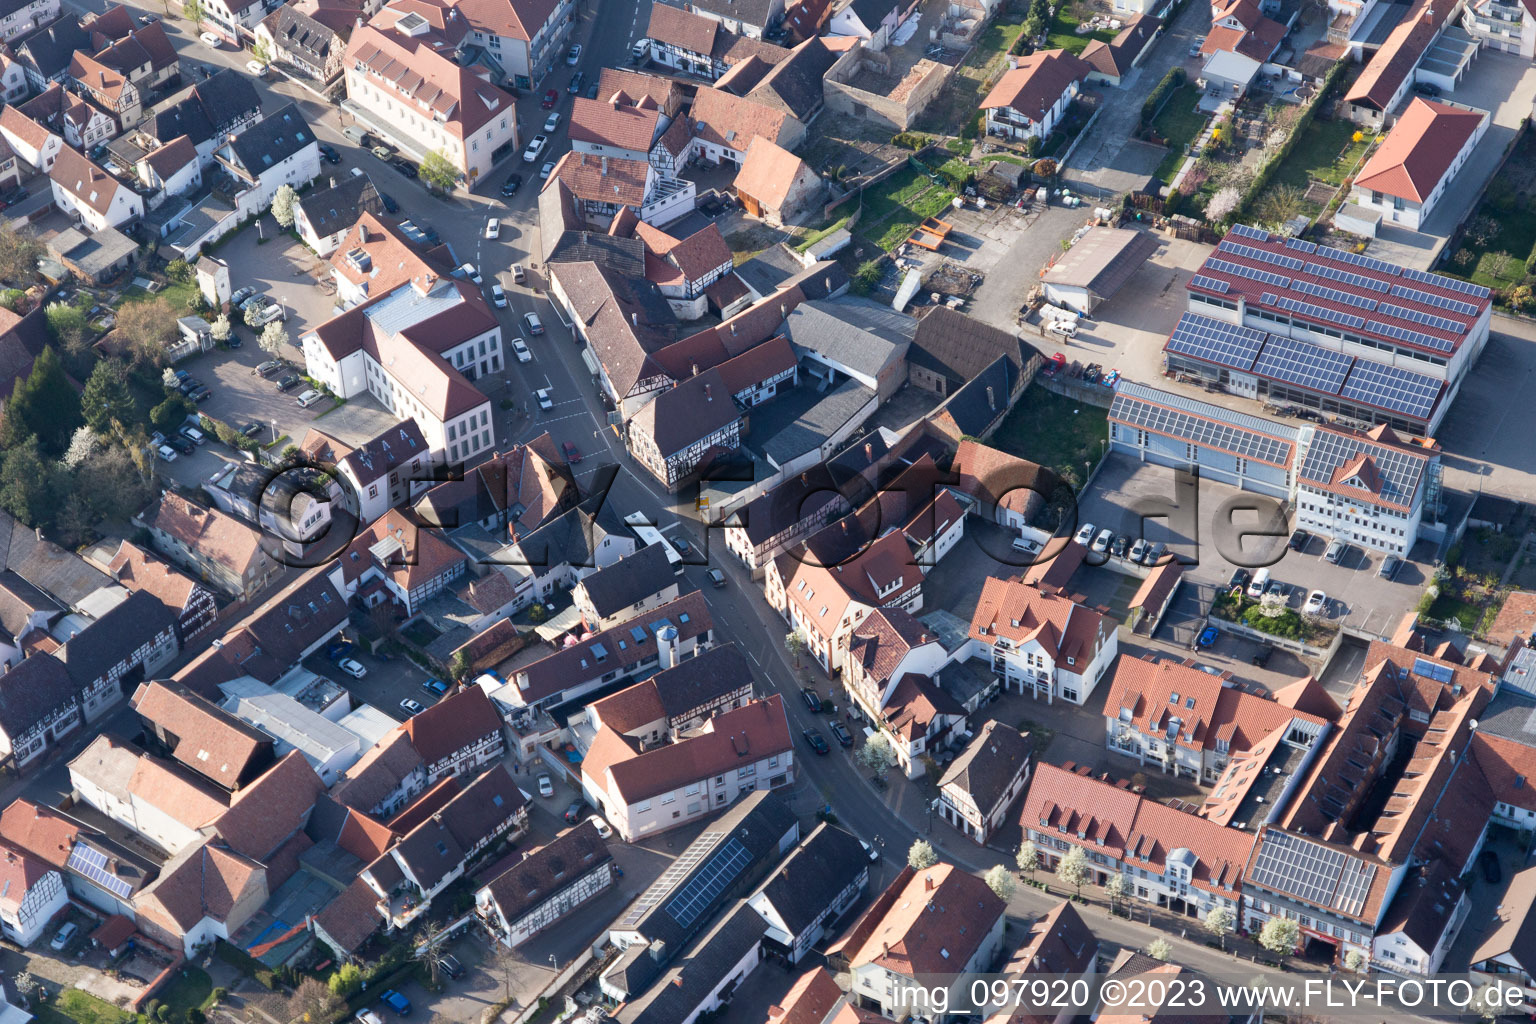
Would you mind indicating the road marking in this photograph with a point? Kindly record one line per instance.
(755, 661)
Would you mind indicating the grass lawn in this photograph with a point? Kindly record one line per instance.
(1054, 431)
(1321, 153)
(898, 204)
(1517, 233)
(1180, 123)
(1448, 606)
(189, 988)
(1063, 35)
(178, 295)
(75, 1005)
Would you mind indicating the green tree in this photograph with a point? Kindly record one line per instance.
(794, 643)
(274, 338)
(282, 205)
(106, 398)
(345, 980)
(1000, 881)
(920, 855)
(67, 324)
(1028, 858)
(437, 172)
(44, 405)
(179, 270)
(27, 488)
(192, 10)
(1160, 949)
(171, 412)
(1280, 935)
(460, 667)
(1219, 922)
(877, 754)
(1073, 869)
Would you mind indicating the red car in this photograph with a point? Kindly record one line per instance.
(572, 453)
(550, 99)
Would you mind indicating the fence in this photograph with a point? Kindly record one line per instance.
(1093, 394)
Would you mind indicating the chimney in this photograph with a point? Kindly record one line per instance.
(605, 166)
(869, 451)
(707, 396)
(783, 311)
(991, 399)
(733, 328)
(362, 234)
(928, 882)
(695, 372)
(666, 647)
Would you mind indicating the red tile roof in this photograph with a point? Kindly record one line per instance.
(1425, 141)
(602, 179)
(213, 534)
(726, 120)
(457, 721)
(416, 557)
(607, 122)
(511, 19)
(1517, 618)
(926, 922)
(1020, 612)
(1399, 55)
(81, 178)
(38, 829)
(1037, 82)
(205, 737)
(683, 29)
(809, 1000)
(430, 82)
(755, 365)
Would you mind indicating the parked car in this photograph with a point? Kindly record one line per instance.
(816, 741)
(166, 452)
(436, 687)
(338, 649)
(368, 1017)
(716, 578)
(187, 436)
(289, 381)
(256, 68)
(1336, 550)
(1487, 860)
(449, 965)
(1278, 589)
(520, 350)
(382, 152)
(680, 543)
(603, 831)
(1207, 636)
(1121, 544)
(390, 206)
(397, 1002)
(1257, 584)
(251, 429)
(1426, 89)
(1299, 540)
(411, 707)
(573, 55)
(269, 313)
(1139, 550)
(545, 402)
(498, 296)
(546, 787)
(352, 667)
(573, 812)
(328, 152)
(519, 275)
(1239, 579)
(1155, 556)
(64, 936)
(546, 170)
(309, 397)
(512, 184)
(492, 229)
(534, 148)
(841, 734)
(211, 40)
(812, 699)
(577, 80)
(534, 324)
(572, 453)
(551, 97)
(404, 166)
(469, 272)
(1389, 567)
(1085, 534)
(200, 394)
(552, 122)
(1101, 542)
(1315, 603)
(237, 300)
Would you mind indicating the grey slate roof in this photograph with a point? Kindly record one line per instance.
(989, 764)
(272, 140)
(549, 870)
(19, 601)
(570, 538)
(768, 271)
(819, 422)
(748, 12)
(209, 108)
(338, 206)
(115, 636)
(797, 498)
(700, 679)
(61, 574)
(566, 237)
(630, 579)
(959, 347)
(683, 989)
(796, 81)
(973, 408)
(297, 32)
(50, 48)
(813, 875)
(32, 691)
(849, 333)
(681, 416)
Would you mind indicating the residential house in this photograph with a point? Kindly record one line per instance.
(521, 490)
(381, 473)
(20, 18)
(851, 338)
(977, 789)
(804, 899)
(97, 871)
(617, 125)
(393, 559)
(525, 39)
(678, 430)
(1059, 945)
(940, 922)
(873, 22)
(785, 515)
(548, 883)
(1423, 919)
(438, 851)
(645, 791)
(775, 185)
(1399, 63)
(602, 187)
(222, 105)
(13, 80)
(323, 216)
(1506, 946)
(304, 44)
(1368, 488)
(278, 150)
(620, 316)
(107, 88)
(725, 126)
(627, 588)
(702, 981)
(1031, 99)
(1503, 26)
(82, 124)
(660, 639)
(750, 18)
(693, 43)
(146, 794)
(234, 21)
(1042, 642)
(458, 735)
(29, 141)
(459, 113)
(1240, 27)
(214, 546)
(1409, 173)
(45, 52)
(170, 170)
(685, 269)
(677, 700)
(31, 895)
(95, 198)
(205, 893)
(387, 777)
(1167, 856)
(202, 736)
(1008, 490)
(889, 674)
(1112, 61)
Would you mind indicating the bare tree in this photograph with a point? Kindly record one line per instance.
(145, 328)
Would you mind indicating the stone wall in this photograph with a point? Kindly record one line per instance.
(862, 84)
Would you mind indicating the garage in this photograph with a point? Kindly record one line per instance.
(1096, 267)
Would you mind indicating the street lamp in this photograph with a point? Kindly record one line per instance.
(553, 964)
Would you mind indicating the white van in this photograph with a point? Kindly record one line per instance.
(1258, 583)
(309, 398)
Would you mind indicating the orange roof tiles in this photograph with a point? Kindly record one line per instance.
(599, 179)
(1037, 82)
(730, 121)
(1399, 55)
(926, 922)
(1517, 618)
(604, 122)
(768, 173)
(1423, 144)
(1020, 613)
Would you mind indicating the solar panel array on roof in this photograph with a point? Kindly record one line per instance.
(1238, 270)
(1430, 299)
(1300, 246)
(714, 878)
(1441, 281)
(92, 863)
(1249, 231)
(1400, 472)
(1401, 333)
(1250, 252)
(1216, 341)
(1199, 430)
(674, 873)
(1368, 262)
(1209, 283)
(1289, 304)
(1332, 294)
(1433, 670)
(1392, 388)
(1312, 872)
(1303, 363)
(1348, 277)
(1418, 316)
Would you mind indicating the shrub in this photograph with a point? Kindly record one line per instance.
(972, 127)
(345, 980)
(867, 276)
(162, 1012)
(1170, 84)
(195, 1016)
(909, 140)
(957, 174)
(218, 994)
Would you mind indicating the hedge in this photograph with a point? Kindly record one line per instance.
(909, 140)
(1171, 82)
(1267, 170)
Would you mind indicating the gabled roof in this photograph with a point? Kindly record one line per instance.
(297, 32)
(678, 691)
(214, 534)
(1022, 613)
(926, 922)
(331, 209)
(510, 19)
(442, 842)
(748, 12)
(1116, 57)
(864, 338)
(681, 416)
(632, 578)
(733, 122)
(1060, 942)
(263, 815)
(1423, 144)
(89, 184)
(546, 872)
(415, 73)
(768, 172)
(794, 83)
(453, 723)
(607, 121)
(207, 881)
(1399, 55)
(267, 143)
(1511, 934)
(202, 735)
(989, 764)
(683, 29)
(33, 692)
(1037, 82)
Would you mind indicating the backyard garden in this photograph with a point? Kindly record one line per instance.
(1055, 431)
(1497, 246)
(1267, 615)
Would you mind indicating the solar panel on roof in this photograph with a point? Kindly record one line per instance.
(1413, 337)
(1252, 273)
(1300, 245)
(1301, 362)
(1249, 252)
(1333, 294)
(713, 878)
(92, 863)
(1209, 283)
(1347, 277)
(1431, 299)
(1432, 670)
(1306, 870)
(1215, 341)
(1200, 430)
(1392, 388)
(1418, 316)
(1249, 231)
(1368, 262)
(1441, 281)
(1319, 312)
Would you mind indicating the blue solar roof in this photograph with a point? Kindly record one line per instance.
(1216, 341)
(92, 863)
(1304, 363)
(1392, 388)
(714, 878)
